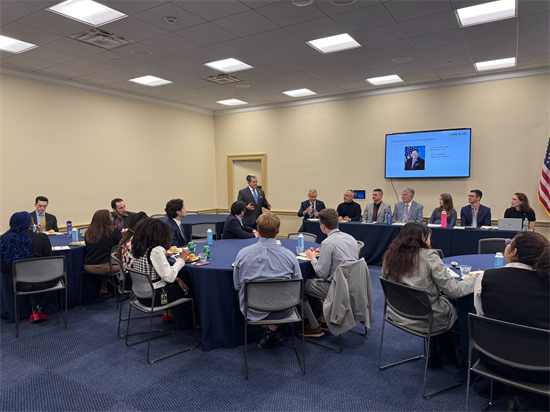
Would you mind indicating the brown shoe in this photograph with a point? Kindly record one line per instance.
(324, 326)
(313, 333)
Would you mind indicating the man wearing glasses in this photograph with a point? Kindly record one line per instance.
(310, 208)
(475, 214)
(349, 211)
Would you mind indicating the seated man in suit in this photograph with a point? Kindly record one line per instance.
(233, 227)
(121, 218)
(376, 211)
(475, 214)
(415, 162)
(41, 218)
(349, 211)
(310, 208)
(265, 260)
(337, 248)
(175, 210)
(254, 199)
(407, 210)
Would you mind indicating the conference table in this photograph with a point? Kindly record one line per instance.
(222, 323)
(378, 236)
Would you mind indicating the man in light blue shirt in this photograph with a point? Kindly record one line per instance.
(265, 260)
(337, 248)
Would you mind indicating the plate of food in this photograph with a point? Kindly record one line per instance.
(192, 258)
(472, 274)
(79, 243)
(303, 254)
(175, 251)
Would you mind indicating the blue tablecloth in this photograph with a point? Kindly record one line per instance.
(75, 265)
(221, 319)
(190, 220)
(378, 236)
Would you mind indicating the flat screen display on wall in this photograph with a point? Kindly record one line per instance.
(432, 153)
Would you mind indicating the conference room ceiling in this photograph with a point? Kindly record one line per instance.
(423, 36)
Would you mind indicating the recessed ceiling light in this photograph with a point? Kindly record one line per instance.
(342, 2)
(302, 3)
(228, 65)
(401, 59)
(87, 11)
(231, 102)
(15, 46)
(142, 52)
(299, 93)
(384, 80)
(334, 43)
(496, 64)
(151, 81)
(486, 12)
(243, 86)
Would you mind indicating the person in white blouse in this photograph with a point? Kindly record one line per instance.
(147, 254)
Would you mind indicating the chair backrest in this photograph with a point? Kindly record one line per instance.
(223, 213)
(273, 295)
(39, 270)
(199, 230)
(189, 212)
(490, 246)
(407, 301)
(82, 231)
(157, 216)
(308, 237)
(122, 272)
(440, 253)
(513, 345)
(142, 286)
(360, 246)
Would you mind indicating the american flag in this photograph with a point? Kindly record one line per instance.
(544, 185)
(408, 151)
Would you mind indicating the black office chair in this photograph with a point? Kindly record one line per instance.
(440, 253)
(157, 216)
(413, 304)
(142, 287)
(491, 246)
(272, 296)
(37, 271)
(82, 231)
(308, 237)
(112, 263)
(520, 347)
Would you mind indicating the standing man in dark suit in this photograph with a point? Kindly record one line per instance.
(40, 218)
(121, 218)
(233, 227)
(175, 211)
(475, 214)
(415, 162)
(310, 209)
(254, 199)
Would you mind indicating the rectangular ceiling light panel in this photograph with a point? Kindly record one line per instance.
(299, 93)
(87, 11)
(231, 102)
(151, 81)
(487, 12)
(228, 65)
(334, 43)
(15, 46)
(496, 64)
(384, 80)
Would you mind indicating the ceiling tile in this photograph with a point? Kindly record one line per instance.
(533, 6)
(508, 40)
(405, 10)
(258, 3)
(98, 78)
(279, 68)
(411, 68)
(328, 70)
(380, 34)
(4, 21)
(451, 61)
(246, 23)
(129, 7)
(430, 24)
(122, 74)
(393, 48)
(315, 29)
(328, 8)
(54, 23)
(300, 76)
(445, 72)
(13, 10)
(342, 78)
(361, 65)
(346, 56)
(134, 29)
(125, 85)
(127, 51)
(415, 56)
(534, 58)
(50, 55)
(493, 54)
(534, 21)
(212, 9)
(364, 18)
(534, 36)
(206, 34)
(286, 14)
(89, 65)
(356, 86)
(64, 71)
(534, 48)
(496, 28)
(25, 62)
(235, 48)
(442, 38)
(445, 51)
(29, 34)
(171, 43)
(375, 72)
(416, 76)
(156, 15)
(149, 91)
(75, 47)
(314, 62)
(172, 62)
(39, 3)
(204, 55)
(273, 39)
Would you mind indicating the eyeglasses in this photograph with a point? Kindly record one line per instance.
(507, 242)
(472, 196)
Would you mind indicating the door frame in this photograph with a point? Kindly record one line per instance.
(262, 157)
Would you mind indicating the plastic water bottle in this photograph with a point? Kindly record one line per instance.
(499, 260)
(388, 218)
(301, 242)
(74, 235)
(525, 225)
(443, 219)
(209, 237)
(69, 228)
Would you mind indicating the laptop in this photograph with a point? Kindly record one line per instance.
(510, 224)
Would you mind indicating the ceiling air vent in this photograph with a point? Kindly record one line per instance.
(223, 79)
(102, 38)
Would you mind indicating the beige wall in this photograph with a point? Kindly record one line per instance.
(339, 145)
(82, 149)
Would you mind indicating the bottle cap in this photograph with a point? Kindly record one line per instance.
(499, 254)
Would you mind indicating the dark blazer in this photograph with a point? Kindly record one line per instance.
(483, 216)
(126, 219)
(51, 221)
(418, 164)
(233, 229)
(319, 205)
(179, 238)
(250, 216)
